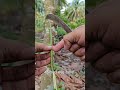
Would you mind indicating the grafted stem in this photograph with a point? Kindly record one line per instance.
(52, 60)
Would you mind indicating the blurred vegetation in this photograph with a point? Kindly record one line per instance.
(39, 15)
(73, 14)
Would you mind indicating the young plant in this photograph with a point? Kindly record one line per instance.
(52, 61)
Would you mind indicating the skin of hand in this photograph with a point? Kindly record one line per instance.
(103, 39)
(12, 51)
(42, 59)
(74, 42)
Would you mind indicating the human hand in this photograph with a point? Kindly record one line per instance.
(42, 59)
(102, 39)
(13, 51)
(16, 54)
(74, 42)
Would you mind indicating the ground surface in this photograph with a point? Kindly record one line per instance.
(70, 71)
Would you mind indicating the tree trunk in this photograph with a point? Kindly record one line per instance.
(49, 9)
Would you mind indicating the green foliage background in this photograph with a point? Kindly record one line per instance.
(73, 14)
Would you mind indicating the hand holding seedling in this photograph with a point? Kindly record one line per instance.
(74, 42)
(14, 51)
(13, 58)
(103, 39)
(42, 59)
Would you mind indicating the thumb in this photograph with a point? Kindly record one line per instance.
(40, 47)
(65, 42)
(28, 54)
(58, 46)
